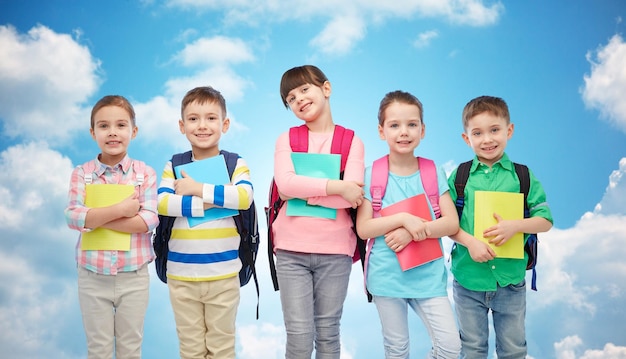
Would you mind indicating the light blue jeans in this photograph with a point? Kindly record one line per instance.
(438, 318)
(313, 288)
(508, 309)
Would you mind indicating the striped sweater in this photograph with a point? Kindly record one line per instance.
(210, 250)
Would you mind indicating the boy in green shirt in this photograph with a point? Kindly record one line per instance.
(482, 281)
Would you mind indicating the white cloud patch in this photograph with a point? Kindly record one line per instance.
(424, 39)
(44, 79)
(38, 301)
(347, 20)
(216, 56)
(572, 348)
(605, 87)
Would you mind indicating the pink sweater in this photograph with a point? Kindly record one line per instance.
(308, 234)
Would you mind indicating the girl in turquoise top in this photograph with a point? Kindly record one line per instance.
(422, 288)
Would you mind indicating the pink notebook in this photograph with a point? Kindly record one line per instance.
(417, 252)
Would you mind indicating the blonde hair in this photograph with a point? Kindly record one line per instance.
(401, 97)
(113, 100)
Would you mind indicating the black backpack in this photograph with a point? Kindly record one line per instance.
(462, 174)
(247, 226)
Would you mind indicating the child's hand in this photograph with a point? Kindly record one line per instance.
(480, 251)
(398, 239)
(353, 193)
(187, 186)
(208, 205)
(501, 232)
(130, 206)
(416, 226)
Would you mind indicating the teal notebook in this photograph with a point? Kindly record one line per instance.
(211, 170)
(315, 165)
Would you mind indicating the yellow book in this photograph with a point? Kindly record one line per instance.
(104, 195)
(507, 205)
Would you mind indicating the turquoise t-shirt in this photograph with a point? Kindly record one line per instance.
(384, 276)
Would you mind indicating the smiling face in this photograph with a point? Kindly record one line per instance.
(112, 130)
(203, 125)
(402, 128)
(487, 135)
(309, 102)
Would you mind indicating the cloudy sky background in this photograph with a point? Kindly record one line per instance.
(560, 65)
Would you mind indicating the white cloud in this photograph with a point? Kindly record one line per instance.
(347, 20)
(424, 39)
(340, 35)
(606, 85)
(570, 347)
(613, 199)
(45, 77)
(217, 50)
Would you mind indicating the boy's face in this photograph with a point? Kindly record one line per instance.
(308, 102)
(113, 130)
(487, 135)
(203, 126)
(403, 128)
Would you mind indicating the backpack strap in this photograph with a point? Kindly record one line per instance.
(342, 141)
(428, 174)
(299, 138)
(88, 169)
(139, 167)
(530, 247)
(462, 174)
(524, 184)
(378, 185)
(180, 159)
(231, 164)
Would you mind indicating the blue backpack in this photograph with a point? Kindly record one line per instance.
(462, 174)
(247, 226)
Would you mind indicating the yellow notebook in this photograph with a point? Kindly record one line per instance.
(103, 195)
(509, 206)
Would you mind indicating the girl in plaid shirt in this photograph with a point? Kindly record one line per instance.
(113, 281)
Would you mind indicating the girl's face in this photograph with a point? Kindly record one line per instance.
(402, 128)
(113, 130)
(487, 135)
(308, 102)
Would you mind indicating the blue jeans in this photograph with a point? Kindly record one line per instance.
(313, 288)
(508, 309)
(436, 313)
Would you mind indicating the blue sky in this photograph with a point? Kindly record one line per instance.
(560, 65)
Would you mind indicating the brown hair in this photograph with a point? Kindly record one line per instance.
(113, 100)
(202, 95)
(401, 97)
(298, 76)
(494, 105)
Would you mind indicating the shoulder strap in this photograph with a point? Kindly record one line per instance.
(462, 174)
(180, 159)
(380, 173)
(231, 162)
(88, 169)
(342, 140)
(524, 184)
(428, 174)
(299, 138)
(139, 167)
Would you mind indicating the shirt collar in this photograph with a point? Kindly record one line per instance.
(504, 163)
(124, 165)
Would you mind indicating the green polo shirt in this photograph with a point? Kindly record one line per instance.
(499, 271)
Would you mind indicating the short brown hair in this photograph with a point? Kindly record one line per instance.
(494, 105)
(401, 97)
(201, 95)
(298, 76)
(113, 100)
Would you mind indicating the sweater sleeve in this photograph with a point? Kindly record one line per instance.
(288, 182)
(354, 171)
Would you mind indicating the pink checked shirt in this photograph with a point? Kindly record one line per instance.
(125, 172)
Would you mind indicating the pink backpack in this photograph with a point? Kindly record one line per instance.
(299, 141)
(378, 185)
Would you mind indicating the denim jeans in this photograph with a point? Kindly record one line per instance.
(438, 318)
(508, 309)
(313, 288)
